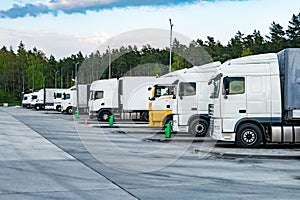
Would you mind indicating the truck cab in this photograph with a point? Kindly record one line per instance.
(66, 106)
(103, 98)
(247, 103)
(186, 106)
(58, 95)
(26, 100)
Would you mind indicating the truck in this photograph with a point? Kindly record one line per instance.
(43, 99)
(256, 99)
(26, 100)
(69, 99)
(58, 94)
(125, 98)
(181, 98)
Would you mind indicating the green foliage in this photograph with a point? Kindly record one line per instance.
(28, 70)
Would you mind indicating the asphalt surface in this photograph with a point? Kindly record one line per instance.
(46, 155)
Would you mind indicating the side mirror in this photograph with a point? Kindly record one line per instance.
(181, 95)
(226, 85)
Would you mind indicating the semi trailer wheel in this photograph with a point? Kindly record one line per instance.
(145, 116)
(249, 135)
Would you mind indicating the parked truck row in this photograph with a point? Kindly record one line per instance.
(249, 100)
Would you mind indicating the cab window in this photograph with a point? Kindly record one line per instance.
(187, 89)
(163, 90)
(99, 94)
(234, 85)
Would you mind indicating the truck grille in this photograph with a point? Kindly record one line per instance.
(211, 110)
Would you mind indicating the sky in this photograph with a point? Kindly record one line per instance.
(65, 27)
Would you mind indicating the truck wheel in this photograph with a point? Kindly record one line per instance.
(104, 116)
(37, 107)
(145, 116)
(70, 110)
(198, 127)
(248, 135)
(58, 108)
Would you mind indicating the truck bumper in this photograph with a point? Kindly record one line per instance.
(179, 128)
(93, 114)
(217, 133)
(156, 117)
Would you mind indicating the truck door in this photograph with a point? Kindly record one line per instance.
(91, 101)
(233, 102)
(186, 101)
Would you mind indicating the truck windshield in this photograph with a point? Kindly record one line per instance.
(66, 96)
(215, 86)
(161, 90)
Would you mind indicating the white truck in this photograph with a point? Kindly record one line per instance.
(256, 99)
(125, 98)
(69, 99)
(43, 99)
(26, 100)
(58, 94)
(182, 97)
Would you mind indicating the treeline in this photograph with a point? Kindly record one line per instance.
(28, 70)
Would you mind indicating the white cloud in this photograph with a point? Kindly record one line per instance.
(58, 45)
(71, 4)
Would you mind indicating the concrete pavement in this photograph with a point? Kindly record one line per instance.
(31, 167)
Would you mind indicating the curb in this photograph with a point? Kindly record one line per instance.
(248, 155)
(179, 139)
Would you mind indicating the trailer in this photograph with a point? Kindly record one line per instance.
(256, 99)
(125, 98)
(43, 99)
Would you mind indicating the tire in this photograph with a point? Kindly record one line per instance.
(38, 107)
(70, 110)
(198, 127)
(104, 116)
(145, 116)
(249, 136)
(58, 108)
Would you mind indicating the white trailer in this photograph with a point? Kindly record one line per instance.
(44, 100)
(256, 99)
(125, 98)
(69, 99)
(58, 94)
(186, 99)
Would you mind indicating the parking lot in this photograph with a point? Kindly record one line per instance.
(48, 155)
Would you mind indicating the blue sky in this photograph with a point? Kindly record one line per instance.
(63, 27)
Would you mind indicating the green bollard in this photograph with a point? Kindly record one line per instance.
(111, 120)
(76, 114)
(168, 128)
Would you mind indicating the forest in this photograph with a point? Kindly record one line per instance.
(23, 71)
